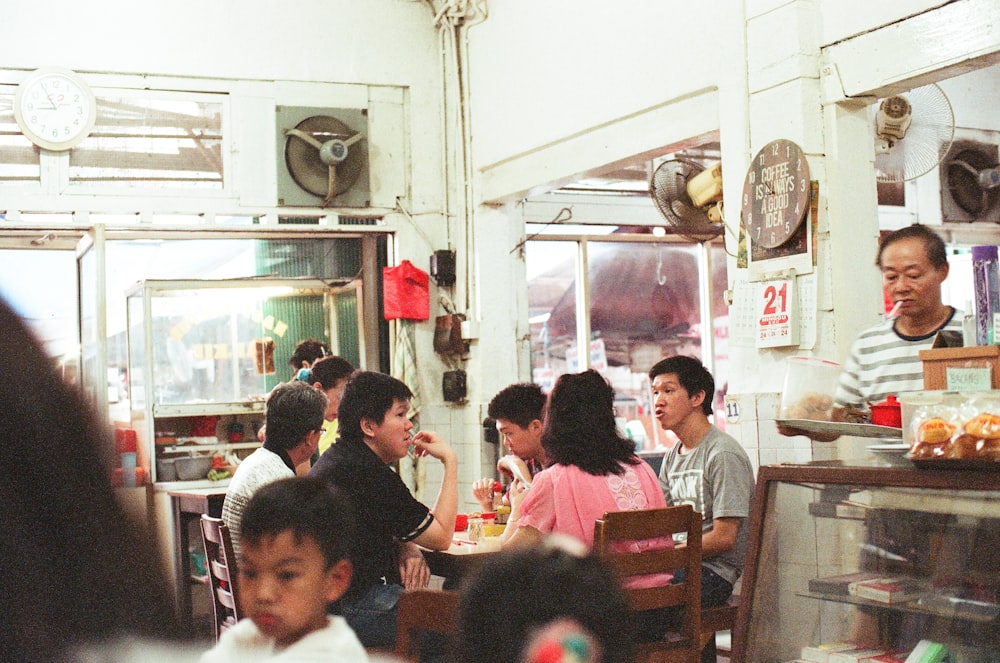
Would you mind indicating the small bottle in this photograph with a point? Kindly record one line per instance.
(497, 495)
(474, 531)
(969, 337)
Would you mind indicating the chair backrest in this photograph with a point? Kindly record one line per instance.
(221, 563)
(612, 535)
(424, 611)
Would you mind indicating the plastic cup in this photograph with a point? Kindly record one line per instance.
(128, 469)
(810, 384)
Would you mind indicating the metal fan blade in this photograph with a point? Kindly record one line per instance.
(307, 167)
(331, 190)
(304, 136)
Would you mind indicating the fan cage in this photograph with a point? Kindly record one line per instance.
(668, 189)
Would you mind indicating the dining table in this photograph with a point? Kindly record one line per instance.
(461, 558)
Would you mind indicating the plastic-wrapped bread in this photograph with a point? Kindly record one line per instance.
(984, 425)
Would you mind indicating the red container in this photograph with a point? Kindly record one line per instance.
(125, 440)
(461, 522)
(887, 413)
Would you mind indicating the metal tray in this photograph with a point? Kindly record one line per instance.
(843, 428)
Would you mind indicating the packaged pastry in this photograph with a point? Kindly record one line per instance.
(932, 436)
(985, 425)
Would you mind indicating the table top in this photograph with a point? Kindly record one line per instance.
(214, 491)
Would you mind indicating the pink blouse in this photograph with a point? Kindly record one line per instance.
(566, 500)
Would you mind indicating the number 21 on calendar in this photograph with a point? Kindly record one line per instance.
(777, 322)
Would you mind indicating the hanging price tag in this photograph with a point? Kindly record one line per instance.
(777, 321)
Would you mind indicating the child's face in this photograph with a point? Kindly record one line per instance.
(285, 586)
(390, 439)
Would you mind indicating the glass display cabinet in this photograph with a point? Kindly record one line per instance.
(202, 359)
(883, 558)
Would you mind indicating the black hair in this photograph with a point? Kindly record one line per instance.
(306, 506)
(368, 395)
(580, 428)
(77, 568)
(519, 403)
(294, 409)
(692, 375)
(328, 371)
(308, 351)
(549, 584)
(934, 246)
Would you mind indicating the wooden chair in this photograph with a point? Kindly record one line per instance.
(684, 645)
(220, 561)
(424, 611)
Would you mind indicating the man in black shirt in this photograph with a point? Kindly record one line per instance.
(375, 431)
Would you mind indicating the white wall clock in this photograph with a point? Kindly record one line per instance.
(55, 108)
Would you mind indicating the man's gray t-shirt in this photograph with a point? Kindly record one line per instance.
(716, 479)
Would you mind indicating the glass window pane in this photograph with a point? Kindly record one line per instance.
(551, 307)
(154, 141)
(645, 304)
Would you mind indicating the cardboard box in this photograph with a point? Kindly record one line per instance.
(962, 369)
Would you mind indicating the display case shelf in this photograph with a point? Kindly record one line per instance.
(937, 530)
(201, 361)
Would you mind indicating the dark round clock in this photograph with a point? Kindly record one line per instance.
(775, 193)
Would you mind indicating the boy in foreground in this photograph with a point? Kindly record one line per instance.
(297, 533)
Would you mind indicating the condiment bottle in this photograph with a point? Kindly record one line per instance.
(474, 532)
(497, 495)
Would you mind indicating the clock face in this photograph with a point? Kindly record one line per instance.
(775, 193)
(55, 108)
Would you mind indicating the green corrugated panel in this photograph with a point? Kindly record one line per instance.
(305, 317)
(348, 343)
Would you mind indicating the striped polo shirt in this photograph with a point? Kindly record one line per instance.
(884, 362)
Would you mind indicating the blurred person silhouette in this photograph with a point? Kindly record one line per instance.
(77, 572)
(543, 603)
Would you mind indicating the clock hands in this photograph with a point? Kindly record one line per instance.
(55, 100)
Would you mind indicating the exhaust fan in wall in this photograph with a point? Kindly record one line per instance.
(970, 182)
(322, 156)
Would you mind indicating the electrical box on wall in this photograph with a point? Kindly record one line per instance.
(443, 268)
(454, 386)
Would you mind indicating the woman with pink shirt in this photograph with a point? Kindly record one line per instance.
(592, 469)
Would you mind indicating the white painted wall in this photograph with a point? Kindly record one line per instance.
(555, 88)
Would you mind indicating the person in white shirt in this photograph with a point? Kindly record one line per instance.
(297, 536)
(294, 420)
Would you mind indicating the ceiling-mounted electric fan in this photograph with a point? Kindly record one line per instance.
(689, 196)
(323, 156)
(913, 132)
